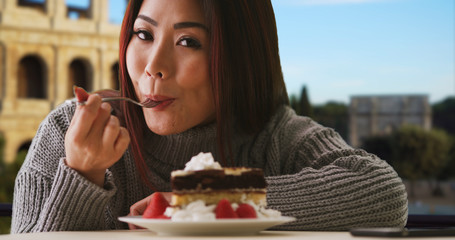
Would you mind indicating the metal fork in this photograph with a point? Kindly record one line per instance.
(148, 103)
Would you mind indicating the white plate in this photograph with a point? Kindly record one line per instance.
(216, 227)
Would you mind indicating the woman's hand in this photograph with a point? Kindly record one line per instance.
(95, 140)
(139, 207)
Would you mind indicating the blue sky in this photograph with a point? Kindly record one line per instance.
(340, 48)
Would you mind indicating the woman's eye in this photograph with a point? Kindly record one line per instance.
(190, 42)
(143, 35)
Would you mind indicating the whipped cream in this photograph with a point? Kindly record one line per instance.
(202, 161)
(195, 211)
(261, 211)
(198, 211)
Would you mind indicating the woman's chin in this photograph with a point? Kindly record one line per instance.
(167, 128)
(162, 131)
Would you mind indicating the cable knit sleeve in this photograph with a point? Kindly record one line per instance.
(48, 195)
(316, 177)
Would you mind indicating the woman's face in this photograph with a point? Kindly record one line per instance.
(168, 61)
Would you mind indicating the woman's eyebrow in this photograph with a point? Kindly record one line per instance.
(190, 25)
(177, 25)
(148, 19)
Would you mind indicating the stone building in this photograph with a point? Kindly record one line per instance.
(377, 115)
(46, 47)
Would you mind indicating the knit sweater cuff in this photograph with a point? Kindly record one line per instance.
(73, 195)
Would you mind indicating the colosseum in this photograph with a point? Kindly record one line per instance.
(46, 47)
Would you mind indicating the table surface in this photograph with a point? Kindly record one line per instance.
(145, 234)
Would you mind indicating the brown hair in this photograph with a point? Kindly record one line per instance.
(245, 70)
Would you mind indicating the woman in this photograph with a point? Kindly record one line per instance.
(214, 68)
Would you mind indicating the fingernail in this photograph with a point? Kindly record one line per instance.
(106, 106)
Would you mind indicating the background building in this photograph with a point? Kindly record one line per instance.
(46, 47)
(377, 115)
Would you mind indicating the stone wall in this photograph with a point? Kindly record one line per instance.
(378, 115)
(46, 34)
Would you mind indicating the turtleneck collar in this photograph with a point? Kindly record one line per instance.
(177, 149)
(171, 152)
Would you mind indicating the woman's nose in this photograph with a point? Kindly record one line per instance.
(159, 61)
(156, 75)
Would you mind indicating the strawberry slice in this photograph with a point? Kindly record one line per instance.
(80, 93)
(224, 210)
(246, 211)
(156, 207)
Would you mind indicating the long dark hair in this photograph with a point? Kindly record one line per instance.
(245, 71)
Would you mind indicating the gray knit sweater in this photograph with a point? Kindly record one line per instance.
(312, 174)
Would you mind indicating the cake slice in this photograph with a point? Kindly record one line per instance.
(238, 185)
(203, 184)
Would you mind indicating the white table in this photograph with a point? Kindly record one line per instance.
(145, 234)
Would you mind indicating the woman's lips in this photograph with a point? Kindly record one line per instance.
(163, 101)
(158, 98)
(163, 104)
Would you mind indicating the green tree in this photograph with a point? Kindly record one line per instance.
(334, 115)
(380, 145)
(444, 118)
(449, 171)
(8, 174)
(294, 102)
(305, 107)
(444, 115)
(419, 154)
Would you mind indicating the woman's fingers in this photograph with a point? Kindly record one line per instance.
(139, 207)
(115, 137)
(111, 132)
(132, 226)
(85, 116)
(122, 142)
(167, 196)
(100, 122)
(95, 140)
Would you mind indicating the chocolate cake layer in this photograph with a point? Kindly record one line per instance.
(219, 180)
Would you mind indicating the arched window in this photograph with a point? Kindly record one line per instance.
(25, 146)
(115, 76)
(81, 75)
(32, 81)
(35, 4)
(79, 9)
(22, 152)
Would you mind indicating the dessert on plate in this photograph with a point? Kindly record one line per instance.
(204, 179)
(206, 191)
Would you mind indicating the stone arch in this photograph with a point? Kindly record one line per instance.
(115, 76)
(80, 74)
(21, 151)
(24, 146)
(32, 78)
